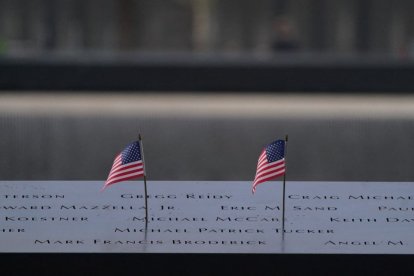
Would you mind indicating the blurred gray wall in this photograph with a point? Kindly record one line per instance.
(341, 26)
(216, 147)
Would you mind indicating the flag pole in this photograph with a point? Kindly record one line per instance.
(284, 189)
(145, 179)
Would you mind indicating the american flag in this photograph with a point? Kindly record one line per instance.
(127, 165)
(271, 163)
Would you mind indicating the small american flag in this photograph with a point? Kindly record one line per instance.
(271, 163)
(127, 165)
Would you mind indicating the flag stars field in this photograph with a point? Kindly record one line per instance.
(271, 163)
(127, 165)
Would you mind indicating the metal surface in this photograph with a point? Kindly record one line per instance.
(207, 217)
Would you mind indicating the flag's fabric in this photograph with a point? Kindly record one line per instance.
(127, 165)
(271, 163)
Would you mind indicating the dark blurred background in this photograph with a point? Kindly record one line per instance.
(207, 83)
(341, 27)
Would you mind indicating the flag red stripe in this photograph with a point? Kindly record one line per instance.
(262, 159)
(270, 177)
(119, 164)
(137, 164)
(266, 171)
(271, 174)
(130, 176)
(117, 161)
(123, 173)
(269, 171)
(270, 165)
(127, 176)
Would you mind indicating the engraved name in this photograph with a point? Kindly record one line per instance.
(230, 230)
(314, 197)
(380, 197)
(100, 207)
(217, 242)
(362, 220)
(248, 219)
(45, 219)
(314, 208)
(305, 231)
(364, 243)
(179, 219)
(395, 209)
(12, 230)
(33, 196)
(143, 230)
(43, 207)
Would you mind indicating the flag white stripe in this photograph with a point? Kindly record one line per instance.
(123, 166)
(122, 172)
(261, 163)
(265, 166)
(134, 164)
(266, 170)
(262, 157)
(269, 176)
(125, 176)
(278, 163)
(259, 174)
(117, 162)
(114, 174)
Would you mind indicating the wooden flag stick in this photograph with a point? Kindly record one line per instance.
(145, 179)
(284, 189)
